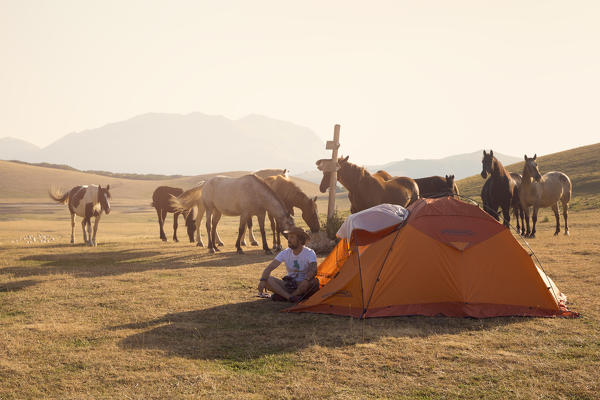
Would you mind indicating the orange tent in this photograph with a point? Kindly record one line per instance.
(448, 258)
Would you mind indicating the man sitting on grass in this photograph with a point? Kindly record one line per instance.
(301, 265)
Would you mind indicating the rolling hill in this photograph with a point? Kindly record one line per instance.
(20, 181)
(581, 164)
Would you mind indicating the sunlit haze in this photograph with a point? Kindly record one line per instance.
(405, 79)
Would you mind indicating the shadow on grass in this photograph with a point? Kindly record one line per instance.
(249, 330)
(18, 285)
(84, 263)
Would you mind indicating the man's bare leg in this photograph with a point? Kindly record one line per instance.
(276, 285)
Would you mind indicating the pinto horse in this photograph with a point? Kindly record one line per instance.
(292, 196)
(366, 190)
(499, 192)
(160, 201)
(544, 191)
(245, 196)
(87, 202)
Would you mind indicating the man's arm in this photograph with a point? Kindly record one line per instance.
(265, 275)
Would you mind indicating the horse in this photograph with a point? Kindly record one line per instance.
(544, 191)
(431, 186)
(87, 202)
(160, 201)
(292, 196)
(365, 190)
(499, 191)
(245, 196)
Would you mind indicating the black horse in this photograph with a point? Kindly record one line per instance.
(160, 201)
(498, 191)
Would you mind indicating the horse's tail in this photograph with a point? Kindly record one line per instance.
(58, 195)
(567, 187)
(187, 199)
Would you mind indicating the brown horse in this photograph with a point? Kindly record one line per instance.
(292, 196)
(544, 191)
(365, 190)
(160, 201)
(500, 189)
(431, 186)
(245, 196)
(87, 202)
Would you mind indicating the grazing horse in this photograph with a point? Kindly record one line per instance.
(245, 196)
(516, 203)
(87, 202)
(500, 189)
(544, 191)
(365, 190)
(160, 201)
(292, 196)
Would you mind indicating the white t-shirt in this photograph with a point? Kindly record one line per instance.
(297, 265)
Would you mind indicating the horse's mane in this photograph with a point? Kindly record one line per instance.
(269, 190)
(357, 172)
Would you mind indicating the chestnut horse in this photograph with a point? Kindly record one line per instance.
(292, 196)
(87, 202)
(245, 196)
(365, 190)
(160, 201)
(544, 191)
(499, 191)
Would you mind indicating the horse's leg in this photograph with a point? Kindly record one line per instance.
(96, 220)
(273, 231)
(534, 220)
(215, 221)
(263, 234)
(201, 211)
(522, 215)
(72, 227)
(565, 207)
(161, 222)
(241, 231)
(516, 215)
(251, 237)
(526, 212)
(506, 214)
(557, 217)
(175, 225)
(210, 245)
(190, 226)
(218, 239)
(83, 222)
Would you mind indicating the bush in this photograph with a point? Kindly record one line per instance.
(333, 224)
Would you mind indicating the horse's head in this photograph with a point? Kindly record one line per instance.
(487, 163)
(531, 168)
(450, 183)
(326, 165)
(285, 222)
(311, 216)
(103, 196)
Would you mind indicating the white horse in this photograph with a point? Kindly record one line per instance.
(544, 191)
(87, 202)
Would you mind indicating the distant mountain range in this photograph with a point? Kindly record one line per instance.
(461, 166)
(196, 143)
(189, 144)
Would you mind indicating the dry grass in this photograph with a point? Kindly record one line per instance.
(139, 318)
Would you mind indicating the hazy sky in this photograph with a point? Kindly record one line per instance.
(405, 79)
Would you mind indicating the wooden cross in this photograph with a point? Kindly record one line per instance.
(331, 166)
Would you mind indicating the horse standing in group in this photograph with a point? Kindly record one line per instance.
(544, 191)
(87, 202)
(365, 190)
(161, 202)
(292, 196)
(498, 190)
(245, 196)
(431, 186)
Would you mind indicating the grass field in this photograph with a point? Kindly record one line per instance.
(139, 318)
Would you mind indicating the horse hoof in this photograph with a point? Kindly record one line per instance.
(199, 244)
(268, 251)
(175, 240)
(556, 233)
(211, 251)
(240, 251)
(221, 244)
(243, 243)
(567, 233)
(164, 239)
(255, 243)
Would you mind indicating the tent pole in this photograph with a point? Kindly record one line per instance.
(362, 291)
